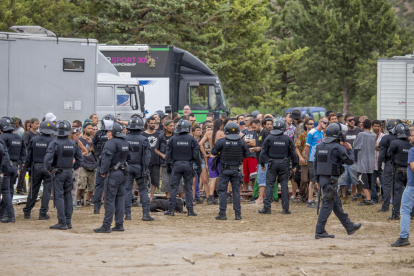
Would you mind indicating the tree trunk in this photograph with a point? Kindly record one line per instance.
(284, 84)
(346, 99)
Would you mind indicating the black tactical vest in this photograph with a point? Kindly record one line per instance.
(39, 147)
(66, 154)
(137, 143)
(279, 147)
(182, 148)
(325, 164)
(102, 138)
(14, 145)
(122, 150)
(232, 153)
(401, 158)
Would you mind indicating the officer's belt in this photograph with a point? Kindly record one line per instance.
(400, 169)
(64, 168)
(38, 163)
(278, 161)
(228, 167)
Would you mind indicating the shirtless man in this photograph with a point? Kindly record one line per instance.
(212, 137)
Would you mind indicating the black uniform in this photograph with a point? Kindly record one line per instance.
(17, 154)
(138, 165)
(59, 161)
(280, 150)
(114, 166)
(398, 152)
(232, 153)
(5, 166)
(328, 165)
(182, 150)
(98, 142)
(36, 151)
(388, 169)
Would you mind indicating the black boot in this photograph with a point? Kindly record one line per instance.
(210, 200)
(394, 217)
(169, 213)
(265, 211)
(69, 225)
(59, 226)
(147, 217)
(119, 227)
(103, 229)
(44, 217)
(8, 219)
(128, 217)
(401, 242)
(191, 213)
(96, 211)
(221, 217)
(324, 236)
(26, 215)
(286, 211)
(354, 228)
(238, 217)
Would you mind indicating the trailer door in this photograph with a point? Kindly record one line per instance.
(105, 101)
(4, 77)
(409, 106)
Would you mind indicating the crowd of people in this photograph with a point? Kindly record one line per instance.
(378, 174)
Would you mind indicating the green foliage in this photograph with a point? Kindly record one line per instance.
(269, 54)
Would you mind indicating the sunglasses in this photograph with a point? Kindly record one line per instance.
(324, 122)
(311, 124)
(351, 120)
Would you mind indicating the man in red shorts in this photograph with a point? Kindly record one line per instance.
(249, 163)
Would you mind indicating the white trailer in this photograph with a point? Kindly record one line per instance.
(395, 88)
(41, 73)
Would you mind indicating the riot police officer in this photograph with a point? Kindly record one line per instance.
(279, 149)
(17, 154)
(232, 151)
(59, 162)
(36, 151)
(398, 152)
(114, 169)
(5, 187)
(98, 142)
(388, 167)
(329, 159)
(182, 150)
(138, 167)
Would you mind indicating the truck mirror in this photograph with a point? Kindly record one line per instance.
(142, 101)
(130, 90)
(168, 109)
(218, 90)
(141, 88)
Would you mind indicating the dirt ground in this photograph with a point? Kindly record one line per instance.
(29, 247)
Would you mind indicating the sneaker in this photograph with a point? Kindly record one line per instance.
(216, 201)
(354, 198)
(136, 204)
(365, 202)
(199, 200)
(78, 203)
(210, 200)
(75, 207)
(400, 242)
(311, 204)
(88, 202)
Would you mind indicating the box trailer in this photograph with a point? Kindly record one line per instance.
(395, 88)
(170, 76)
(41, 73)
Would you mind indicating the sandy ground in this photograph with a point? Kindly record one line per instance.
(29, 247)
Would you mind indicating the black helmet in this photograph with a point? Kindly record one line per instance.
(402, 131)
(333, 132)
(183, 126)
(391, 124)
(232, 131)
(62, 128)
(107, 122)
(135, 123)
(117, 130)
(6, 124)
(279, 126)
(47, 127)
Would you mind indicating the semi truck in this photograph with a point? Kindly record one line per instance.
(395, 88)
(41, 73)
(171, 77)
